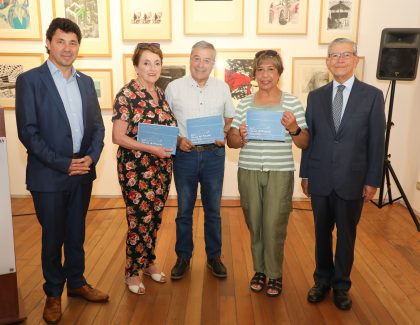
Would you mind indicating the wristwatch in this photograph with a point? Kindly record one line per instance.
(297, 132)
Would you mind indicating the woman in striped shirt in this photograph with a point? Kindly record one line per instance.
(266, 168)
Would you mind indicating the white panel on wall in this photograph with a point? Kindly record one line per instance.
(7, 249)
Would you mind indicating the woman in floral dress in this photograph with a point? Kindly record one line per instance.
(144, 171)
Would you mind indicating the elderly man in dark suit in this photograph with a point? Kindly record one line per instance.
(60, 124)
(342, 166)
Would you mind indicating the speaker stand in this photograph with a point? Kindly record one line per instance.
(387, 168)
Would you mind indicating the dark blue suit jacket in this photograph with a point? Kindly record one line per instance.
(346, 160)
(44, 129)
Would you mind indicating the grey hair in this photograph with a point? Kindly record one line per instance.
(340, 41)
(203, 45)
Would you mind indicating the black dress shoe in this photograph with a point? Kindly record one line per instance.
(217, 267)
(342, 299)
(180, 268)
(317, 293)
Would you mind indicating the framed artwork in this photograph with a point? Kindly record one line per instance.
(310, 73)
(20, 19)
(235, 68)
(213, 17)
(146, 20)
(92, 16)
(174, 66)
(339, 18)
(11, 66)
(102, 78)
(282, 17)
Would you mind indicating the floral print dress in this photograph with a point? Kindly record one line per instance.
(144, 178)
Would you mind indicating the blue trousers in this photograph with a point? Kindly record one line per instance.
(62, 217)
(190, 169)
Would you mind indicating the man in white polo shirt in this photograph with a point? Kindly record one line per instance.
(199, 95)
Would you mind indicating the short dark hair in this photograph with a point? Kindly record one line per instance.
(266, 55)
(142, 47)
(66, 25)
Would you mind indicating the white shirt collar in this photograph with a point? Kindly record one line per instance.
(348, 83)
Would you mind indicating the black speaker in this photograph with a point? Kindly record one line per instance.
(398, 54)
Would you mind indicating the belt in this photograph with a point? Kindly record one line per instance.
(76, 156)
(204, 147)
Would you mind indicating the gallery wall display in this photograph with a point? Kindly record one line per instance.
(102, 79)
(11, 66)
(282, 17)
(213, 17)
(339, 18)
(234, 66)
(174, 66)
(310, 73)
(20, 20)
(146, 20)
(92, 16)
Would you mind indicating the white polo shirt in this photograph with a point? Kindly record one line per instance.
(187, 100)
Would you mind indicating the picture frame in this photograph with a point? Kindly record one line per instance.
(234, 66)
(339, 18)
(213, 17)
(20, 20)
(102, 79)
(310, 73)
(280, 17)
(146, 20)
(174, 66)
(11, 66)
(92, 17)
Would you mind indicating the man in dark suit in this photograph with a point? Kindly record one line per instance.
(342, 166)
(60, 124)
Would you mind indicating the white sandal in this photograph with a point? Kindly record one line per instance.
(158, 277)
(138, 289)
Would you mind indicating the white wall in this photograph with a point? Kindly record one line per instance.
(374, 16)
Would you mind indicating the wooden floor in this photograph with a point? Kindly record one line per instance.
(386, 273)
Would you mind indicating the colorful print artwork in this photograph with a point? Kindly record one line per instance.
(14, 14)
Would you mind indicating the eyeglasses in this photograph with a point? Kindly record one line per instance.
(344, 55)
(271, 53)
(143, 45)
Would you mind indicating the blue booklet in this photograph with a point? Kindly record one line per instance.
(158, 135)
(265, 125)
(205, 130)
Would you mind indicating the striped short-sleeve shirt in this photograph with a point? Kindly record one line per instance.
(269, 155)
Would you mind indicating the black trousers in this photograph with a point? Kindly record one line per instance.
(330, 211)
(62, 217)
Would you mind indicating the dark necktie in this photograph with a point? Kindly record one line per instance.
(337, 106)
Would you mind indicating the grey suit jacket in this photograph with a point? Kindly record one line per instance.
(346, 160)
(44, 129)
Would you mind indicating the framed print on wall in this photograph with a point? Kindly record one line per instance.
(174, 66)
(282, 17)
(310, 73)
(235, 68)
(92, 16)
(339, 18)
(102, 79)
(146, 20)
(213, 17)
(11, 66)
(20, 20)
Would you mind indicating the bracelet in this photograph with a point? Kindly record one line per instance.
(297, 132)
